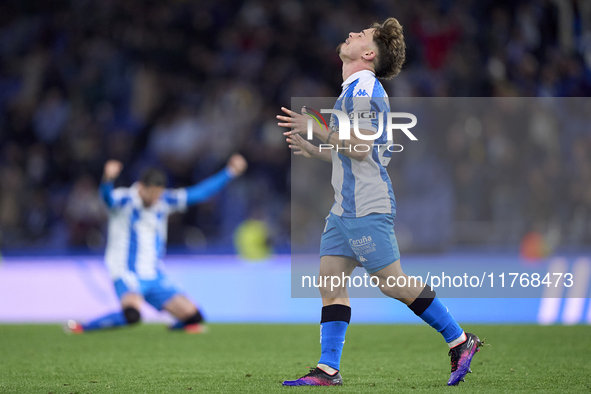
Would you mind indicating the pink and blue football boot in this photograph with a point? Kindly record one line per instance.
(316, 377)
(461, 357)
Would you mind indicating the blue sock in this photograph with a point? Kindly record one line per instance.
(333, 326)
(434, 313)
(111, 320)
(437, 316)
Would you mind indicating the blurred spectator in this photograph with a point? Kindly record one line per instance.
(84, 212)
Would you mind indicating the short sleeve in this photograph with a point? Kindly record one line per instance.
(175, 199)
(115, 198)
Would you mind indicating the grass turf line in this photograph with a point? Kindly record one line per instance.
(257, 358)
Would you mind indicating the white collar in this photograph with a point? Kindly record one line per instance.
(356, 75)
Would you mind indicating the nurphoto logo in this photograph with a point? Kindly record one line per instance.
(344, 128)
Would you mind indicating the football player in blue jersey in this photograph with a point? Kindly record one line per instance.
(137, 233)
(360, 226)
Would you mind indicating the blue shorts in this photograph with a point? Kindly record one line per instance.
(369, 239)
(156, 292)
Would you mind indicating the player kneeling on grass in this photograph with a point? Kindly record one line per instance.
(138, 218)
(365, 206)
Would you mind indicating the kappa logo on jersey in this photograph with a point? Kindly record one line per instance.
(361, 93)
(362, 259)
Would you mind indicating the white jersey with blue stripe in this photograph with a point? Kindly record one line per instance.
(137, 235)
(363, 187)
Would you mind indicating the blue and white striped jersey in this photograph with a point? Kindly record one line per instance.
(137, 234)
(363, 187)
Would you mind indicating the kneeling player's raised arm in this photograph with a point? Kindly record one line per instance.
(212, 185)
(113, 198)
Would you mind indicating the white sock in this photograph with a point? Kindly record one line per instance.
(327, 369)
(458, 340)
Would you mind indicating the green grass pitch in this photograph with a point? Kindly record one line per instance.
(256, 358)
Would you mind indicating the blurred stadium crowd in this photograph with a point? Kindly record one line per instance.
(182, 84)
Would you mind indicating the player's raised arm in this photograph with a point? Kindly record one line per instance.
(111, 171)
(207, 188)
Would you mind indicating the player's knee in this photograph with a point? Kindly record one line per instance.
(390, 287)
(398, 293)
(132, 315)
(328, 293)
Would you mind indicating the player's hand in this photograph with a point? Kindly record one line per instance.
(237, 164)
(112, 170)
(298, 123)
(300, 146)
